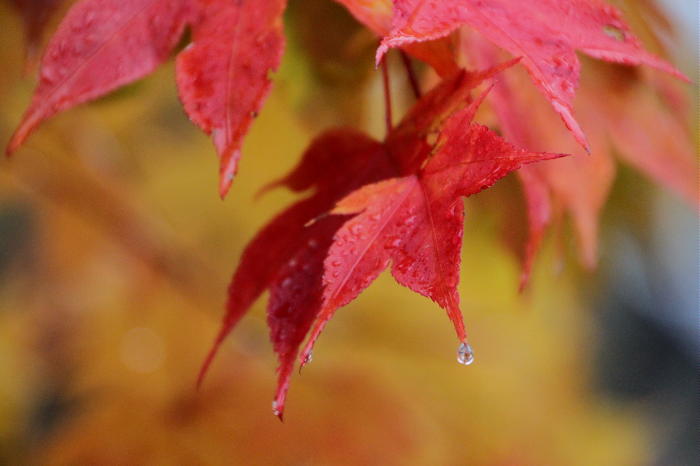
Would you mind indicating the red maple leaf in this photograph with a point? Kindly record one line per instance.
(286, 256)
(377, 15)
(303, 245)
(623, 117)
(545, 33)
(223, 76)
(99, 46)
(415, 222)
(396, 202)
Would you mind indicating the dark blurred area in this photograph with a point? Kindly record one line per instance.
(648, 354)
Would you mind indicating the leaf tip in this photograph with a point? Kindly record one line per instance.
(205, 365)
(381, 51)
(16, 140)
(227, 170)
(305, 356)
(524, 281)
(267, 188)
(225, 185)
(211, 354)
(278, 410)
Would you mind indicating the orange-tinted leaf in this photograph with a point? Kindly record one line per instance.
(649, 137)
(546, 34)
(377, 15)
(539, 214)
(623, 116)
(99, 46)
(223, 76)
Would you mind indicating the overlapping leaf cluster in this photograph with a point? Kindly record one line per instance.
(394, 203)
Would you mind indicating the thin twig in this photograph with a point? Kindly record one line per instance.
(387, 95)
(411, 74)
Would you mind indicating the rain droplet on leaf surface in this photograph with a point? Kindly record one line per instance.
(309, 357)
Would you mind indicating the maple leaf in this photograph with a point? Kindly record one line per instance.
(624, 118)
(290, 256)
(99, 46)
(377, 16)
(223, 76)
(546, 34)
(415, 222)
(287, 255)
(647, 132)
(580, 184)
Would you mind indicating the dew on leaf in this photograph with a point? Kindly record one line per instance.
(614, 32)
(410, 220)
(308, 358)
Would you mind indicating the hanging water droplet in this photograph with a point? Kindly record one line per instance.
(465, 354)
(275, 409)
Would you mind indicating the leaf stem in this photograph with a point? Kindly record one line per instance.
(411, 72)
(387, 95)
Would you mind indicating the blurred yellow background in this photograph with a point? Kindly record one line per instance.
(115, 252)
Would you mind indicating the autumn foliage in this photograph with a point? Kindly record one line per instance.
(369, 205)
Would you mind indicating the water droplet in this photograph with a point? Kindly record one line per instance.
(308, 358)
(614, 32)
(275, 409)
(465, 354)
(392, 243)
